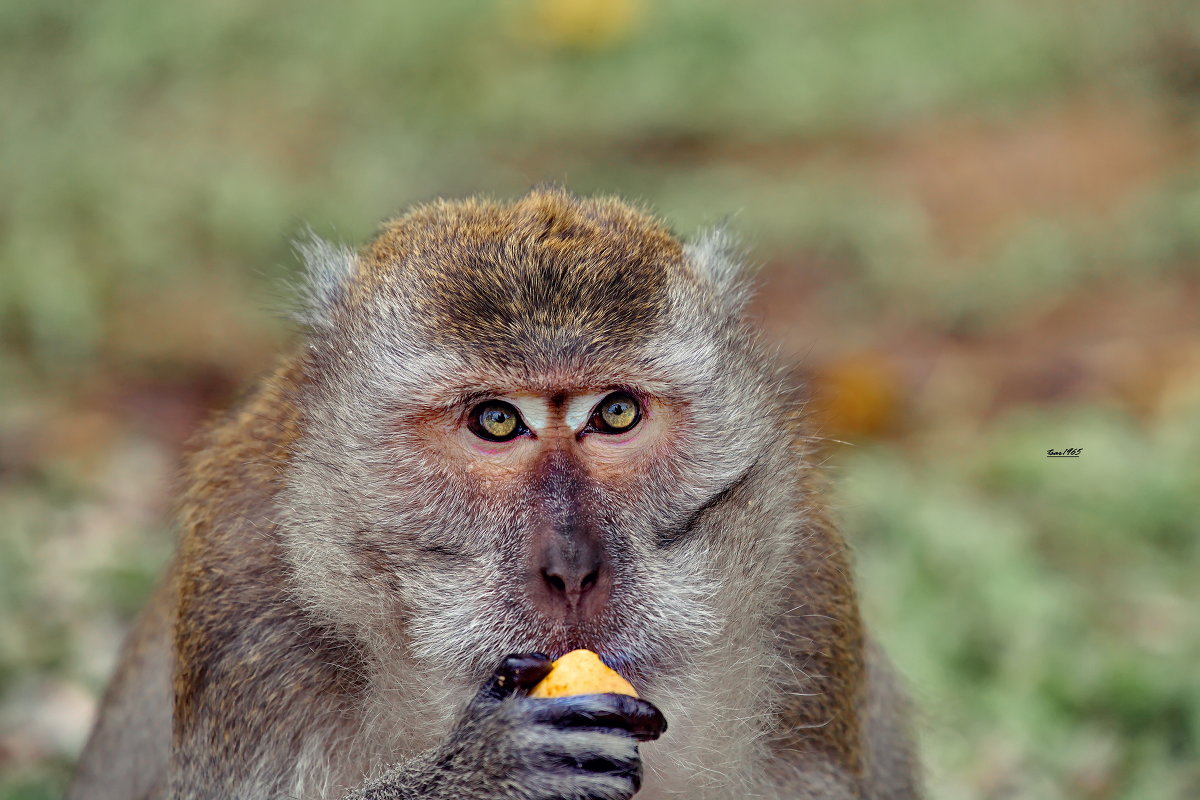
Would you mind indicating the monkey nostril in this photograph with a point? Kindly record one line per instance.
(570, 584)
(555, 581)
(589, 580)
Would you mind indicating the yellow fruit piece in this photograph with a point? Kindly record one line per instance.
(581, 672)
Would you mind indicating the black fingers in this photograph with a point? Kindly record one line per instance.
(580, 746)
(636, 717)
(518, 671)
(630, 770)
(634, 774)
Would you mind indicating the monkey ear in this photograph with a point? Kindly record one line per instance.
(717, 255)
(328, 268)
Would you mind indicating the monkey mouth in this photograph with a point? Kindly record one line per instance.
(603, 644)
(565, 638)
(605, 634)
(619, 647)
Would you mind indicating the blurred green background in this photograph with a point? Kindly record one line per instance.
(977, 228)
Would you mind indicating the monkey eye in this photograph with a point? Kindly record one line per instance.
(616, 413)
(496, 421)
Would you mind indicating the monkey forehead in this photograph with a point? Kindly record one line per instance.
(547, 275)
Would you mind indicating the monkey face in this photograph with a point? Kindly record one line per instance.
(569, 470)
(531, 427)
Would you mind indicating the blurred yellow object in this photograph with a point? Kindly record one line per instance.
(581, 672)
(583, 23)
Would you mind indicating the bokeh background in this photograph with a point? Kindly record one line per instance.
(977, 232)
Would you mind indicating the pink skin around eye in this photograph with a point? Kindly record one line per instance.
(484, 447)
(619, 439)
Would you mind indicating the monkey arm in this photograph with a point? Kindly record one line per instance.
(506, 745)
(412, 779)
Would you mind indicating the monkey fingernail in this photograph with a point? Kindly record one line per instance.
(518, 671)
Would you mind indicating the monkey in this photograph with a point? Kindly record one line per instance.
(507, 431)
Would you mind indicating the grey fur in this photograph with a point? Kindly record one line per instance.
(329, 268)
(717, 254)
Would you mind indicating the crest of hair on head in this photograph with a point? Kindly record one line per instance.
(328, 269)
(718, 256)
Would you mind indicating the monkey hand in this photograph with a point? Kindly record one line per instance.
(509, 746)
(581, 747)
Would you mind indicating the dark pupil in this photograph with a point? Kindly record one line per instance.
(495, 418)
(618, 409)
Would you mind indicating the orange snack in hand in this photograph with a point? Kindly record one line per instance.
(581, 672)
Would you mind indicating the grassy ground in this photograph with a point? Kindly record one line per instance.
(978, 226)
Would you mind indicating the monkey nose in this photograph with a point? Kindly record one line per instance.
(573, 577)
(570, 582)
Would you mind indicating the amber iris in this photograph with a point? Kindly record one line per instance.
(495, 421)
(617, 413)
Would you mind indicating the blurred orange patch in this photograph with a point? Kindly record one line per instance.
(856, 395)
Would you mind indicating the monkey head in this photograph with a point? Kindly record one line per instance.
(534, 426)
